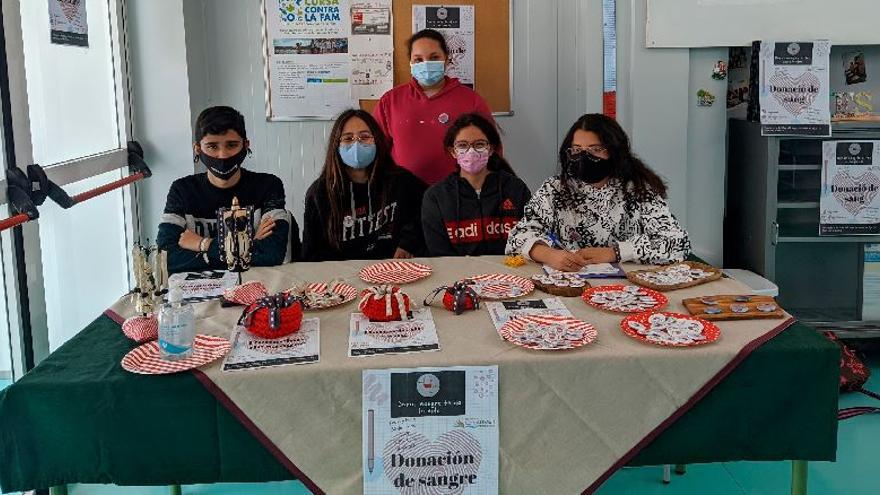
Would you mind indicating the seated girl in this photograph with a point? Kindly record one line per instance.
(362, 206)
(605, 206)
(471, 212)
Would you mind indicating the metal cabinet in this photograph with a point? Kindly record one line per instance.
(771, 223)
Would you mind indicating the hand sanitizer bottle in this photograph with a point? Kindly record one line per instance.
(177, 327)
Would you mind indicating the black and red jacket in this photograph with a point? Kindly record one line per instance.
(458, 221)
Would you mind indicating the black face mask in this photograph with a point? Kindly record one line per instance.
(589, 168)
(224, 168)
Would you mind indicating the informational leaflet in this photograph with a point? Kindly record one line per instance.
(502, 312)
(252, 352)
(309, 61)
(430, 430)
(68, 24)
(849, 203)
(457, 25)
(794, 87)
(367, 338)
(372, 49)
(203, 286)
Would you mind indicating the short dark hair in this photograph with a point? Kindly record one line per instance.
(431, 35)
(218, 120)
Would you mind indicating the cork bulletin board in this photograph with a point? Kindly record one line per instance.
(493, 50)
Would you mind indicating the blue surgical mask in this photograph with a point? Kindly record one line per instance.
(358, 155)
(428, 73)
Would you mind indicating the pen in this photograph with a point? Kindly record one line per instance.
(371, 446)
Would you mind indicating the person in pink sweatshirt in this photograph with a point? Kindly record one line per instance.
(416, 115)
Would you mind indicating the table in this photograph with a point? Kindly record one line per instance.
(79, 418)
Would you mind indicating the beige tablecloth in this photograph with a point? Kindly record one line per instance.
(567, 419)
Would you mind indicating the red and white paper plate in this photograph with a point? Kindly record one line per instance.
(246, 293)
(624, 298)
(145, 359)
(395, 272)
(316, 298)
(141, 328)
(670, 329)
(496, 286)
(548, 332)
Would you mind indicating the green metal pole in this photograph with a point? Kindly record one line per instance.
(798, 477)
(175, 490)
(58, 490)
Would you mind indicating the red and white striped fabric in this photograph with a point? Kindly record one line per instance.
(145, 359)
(395, 272)
(501, 286)
(246, 293)
(141, 328)
(347, 291)
(548, 332)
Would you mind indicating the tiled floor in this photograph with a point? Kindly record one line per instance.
(854, 473)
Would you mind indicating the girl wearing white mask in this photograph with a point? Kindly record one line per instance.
(471, 212)
(415, 116)
(362, 206)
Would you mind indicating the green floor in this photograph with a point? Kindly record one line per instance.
(854, 473)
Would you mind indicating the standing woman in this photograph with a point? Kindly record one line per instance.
(473, 210)
(416, 115)
(362, 206)
(605, 206)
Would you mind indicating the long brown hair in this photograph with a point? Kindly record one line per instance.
(335, 179)
(496, 161)
(639, 182)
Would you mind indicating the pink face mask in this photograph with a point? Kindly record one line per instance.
(472, 161)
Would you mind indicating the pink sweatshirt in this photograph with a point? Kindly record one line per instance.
(416, 124)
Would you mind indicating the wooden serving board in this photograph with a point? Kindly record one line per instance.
(697, 307)
(561, 291)
(634, 277)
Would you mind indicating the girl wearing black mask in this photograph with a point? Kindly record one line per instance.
(605, 206)
(188, 231)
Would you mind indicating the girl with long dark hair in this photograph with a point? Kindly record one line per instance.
(606, 205)
(362, 206)
(472, 211)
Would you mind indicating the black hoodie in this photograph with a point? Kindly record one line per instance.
(374, 231)
(459, 222)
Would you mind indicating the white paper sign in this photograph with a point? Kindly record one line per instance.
(502, 312)
(309, 66)
(368, 338)
(252, 352)
(431, 430)
(203, 286)
(849, 203)
(456, 23)
(68, 23)
(372, 49)
(794, 88)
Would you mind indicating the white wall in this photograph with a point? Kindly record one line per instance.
(160, 101)
(684, 143)
(557, 77)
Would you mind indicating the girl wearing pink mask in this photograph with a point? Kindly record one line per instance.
(471, 212)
